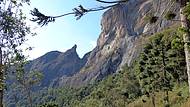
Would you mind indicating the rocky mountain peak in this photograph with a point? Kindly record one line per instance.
(119, 42)
(75, 47)
(56, 64)
(71, 50)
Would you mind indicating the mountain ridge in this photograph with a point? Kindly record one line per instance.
(55, 64)
(119, 42)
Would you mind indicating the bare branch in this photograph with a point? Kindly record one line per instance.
(78, 12)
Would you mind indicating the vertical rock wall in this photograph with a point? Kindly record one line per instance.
(120, 40)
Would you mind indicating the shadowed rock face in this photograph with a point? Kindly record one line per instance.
(57, 64)
(120, 40)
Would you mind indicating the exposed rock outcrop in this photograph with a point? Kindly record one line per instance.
(119, 42)
(57, 64)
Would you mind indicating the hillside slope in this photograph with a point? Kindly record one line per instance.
(118, 43)
(124, 89)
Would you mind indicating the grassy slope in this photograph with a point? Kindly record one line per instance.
(176, 99)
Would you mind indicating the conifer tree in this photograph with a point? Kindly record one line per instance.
(152, 74)
(25, 80)
(157, 69)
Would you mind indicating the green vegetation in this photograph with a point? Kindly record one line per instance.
(170, 15)
(186, 11)
(177, 97)
(80, 11)
(156, 79)
(117, 90)
(14, 33)
(161, 65)
(23, 83)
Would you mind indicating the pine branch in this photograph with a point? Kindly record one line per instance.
(78, 12)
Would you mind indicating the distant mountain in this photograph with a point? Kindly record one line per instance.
(56, 64)
(120, 42)
(124, 32)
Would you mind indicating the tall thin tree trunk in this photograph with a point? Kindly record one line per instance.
(1, 98)
(166, 101)
(28, 92)
(1, 79)
(186, 38)
(153, 100)
(30, 98)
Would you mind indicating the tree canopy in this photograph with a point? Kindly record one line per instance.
(13, 33)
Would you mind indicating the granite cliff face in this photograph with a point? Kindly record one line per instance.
(119, 43)
(120, 40)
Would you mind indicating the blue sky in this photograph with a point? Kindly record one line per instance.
(65, 32)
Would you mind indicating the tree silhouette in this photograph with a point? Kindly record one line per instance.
(26, 80)
(13, 32)
(78, 12)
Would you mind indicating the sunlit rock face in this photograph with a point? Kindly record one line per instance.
(124, 28)
(120, 41)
